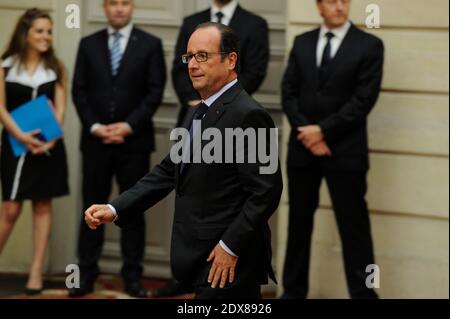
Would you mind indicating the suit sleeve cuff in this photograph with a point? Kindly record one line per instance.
(129, 126)
(113, 210)
(95, 127)
(228, 250)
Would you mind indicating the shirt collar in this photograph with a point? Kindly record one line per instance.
(125, 32)
(209, 101)
(18, 74)
(227, 10)
(339, 33)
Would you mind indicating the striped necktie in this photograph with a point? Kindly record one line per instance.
(116, 54)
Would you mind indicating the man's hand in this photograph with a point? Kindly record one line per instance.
(310, 135)
(102, 131)
(122, 129)
(113, 133)
(223, 267)
(321, 149)
(97, 215)
(116, 139)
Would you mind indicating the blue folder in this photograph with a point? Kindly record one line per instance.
(33, 115)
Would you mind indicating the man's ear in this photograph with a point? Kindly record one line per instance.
(233, 57)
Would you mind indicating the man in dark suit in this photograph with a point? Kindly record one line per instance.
(220, 236)
(253, 34)
(117, 87)
(332, 82)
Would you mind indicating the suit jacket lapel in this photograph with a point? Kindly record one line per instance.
(205, 16)
(105, 54)
(312, 57)
(186, 125)
(234, 22)
(218, 108)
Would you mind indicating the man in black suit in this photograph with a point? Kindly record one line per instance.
(117, 87)
(332, 82)
(253, 35)
(221, 236)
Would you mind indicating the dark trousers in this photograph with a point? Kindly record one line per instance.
(347, 191)
(99, 168)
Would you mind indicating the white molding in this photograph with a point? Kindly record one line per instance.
(172, 18)
(277, 22)
(144, 16)
(26, 4)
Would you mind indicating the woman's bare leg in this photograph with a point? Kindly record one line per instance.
(41, 232)
(9, 213)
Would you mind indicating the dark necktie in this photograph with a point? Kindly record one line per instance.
(219, 16)
(326, 58)
(198, 116)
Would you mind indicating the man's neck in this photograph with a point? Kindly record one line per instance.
(220, 5)
(118, 28)
(334, 26)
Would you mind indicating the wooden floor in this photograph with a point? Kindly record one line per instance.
(106, 287)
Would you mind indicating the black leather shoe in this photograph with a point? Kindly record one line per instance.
(171, 289)
(86, 287)
(135, 289)
(32, 292)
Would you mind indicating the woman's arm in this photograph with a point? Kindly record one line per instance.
(5, 117)
(61, 100)
(8, 122)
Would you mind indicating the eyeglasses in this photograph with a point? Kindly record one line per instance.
(199, 56)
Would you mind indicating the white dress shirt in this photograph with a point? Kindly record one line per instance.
(227, 10)
(336, 41)
(209, 101)
(125, 33)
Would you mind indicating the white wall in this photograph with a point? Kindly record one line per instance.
(408, 181)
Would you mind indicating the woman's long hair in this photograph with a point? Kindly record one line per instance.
(17, 47)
